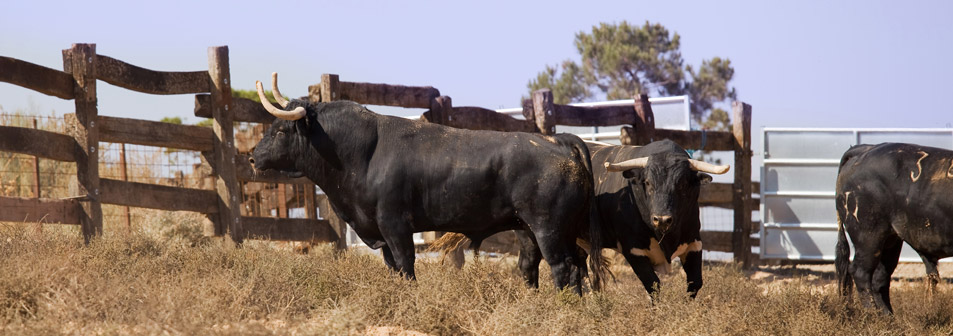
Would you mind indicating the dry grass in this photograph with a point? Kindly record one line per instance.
(166, 279)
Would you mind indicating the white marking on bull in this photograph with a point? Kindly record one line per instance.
(655, 255)
(919, 169)
(684, 248)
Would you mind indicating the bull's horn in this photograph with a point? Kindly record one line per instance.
(274, 91)
(627, 164)
(292, 115)
(703, 166)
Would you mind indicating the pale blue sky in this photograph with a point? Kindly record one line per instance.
(799, 64)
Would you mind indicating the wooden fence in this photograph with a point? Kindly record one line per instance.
(86, 129)
(82, 67)
(542, 115)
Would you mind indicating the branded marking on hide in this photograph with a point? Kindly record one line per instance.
(856, 206)
(846, 201)
(919, 168)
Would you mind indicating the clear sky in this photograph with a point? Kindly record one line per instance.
(799, 64)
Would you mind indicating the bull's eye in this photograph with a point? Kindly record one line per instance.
(280, 133)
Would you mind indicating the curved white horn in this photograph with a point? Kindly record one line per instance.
(703, 166)
(627, 164)
(274, 91)
(295, 114)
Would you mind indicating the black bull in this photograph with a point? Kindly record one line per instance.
(888, 194)
(649, 210)
(389, 177)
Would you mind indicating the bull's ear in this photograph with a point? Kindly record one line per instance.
(629, 173)
(704, 178)
(302, 125)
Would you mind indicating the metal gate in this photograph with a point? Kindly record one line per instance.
(798, 220)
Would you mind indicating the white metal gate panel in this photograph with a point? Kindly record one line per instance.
(798, 220)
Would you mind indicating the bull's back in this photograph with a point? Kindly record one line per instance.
(471, 179)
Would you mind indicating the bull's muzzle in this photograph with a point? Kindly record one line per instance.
(662, 223)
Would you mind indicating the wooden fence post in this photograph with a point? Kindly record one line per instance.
(310, 200)
(329, 92)
(329, 87)
(282, 207)
(229, 204)
(36, 170)
(441, 110)
(644, 119)
(543, 109)
(741, 189)
(123, 173)
(80, 61)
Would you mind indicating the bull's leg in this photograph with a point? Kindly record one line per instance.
(559, 254)
(581, 257)
(692, 264)
(862, 269)
(400, 241)
(529, 258)
(642, 267)
(578, 267)
(933, 275)
(880, 282)
(389, 258)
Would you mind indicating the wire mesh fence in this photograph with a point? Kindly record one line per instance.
(31, 177)
(27, 176)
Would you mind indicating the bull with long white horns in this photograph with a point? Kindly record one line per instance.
(389, 177)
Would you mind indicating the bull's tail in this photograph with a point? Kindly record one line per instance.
(845, 283)
(851, 153)
(596, 265)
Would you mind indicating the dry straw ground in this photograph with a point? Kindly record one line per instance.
(166, 278)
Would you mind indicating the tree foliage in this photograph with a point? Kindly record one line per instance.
(621, 60)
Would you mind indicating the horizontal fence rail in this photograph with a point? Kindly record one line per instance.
(125, 75)
(154, 133)
(373, 93)
(153, 196)
(44, 144)
(300, 229)
(569, 115)
(702, 140)
(36, 77)
(19, 209)
(243, 110)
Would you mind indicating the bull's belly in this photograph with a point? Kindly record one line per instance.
(480, 220)
(929, 237)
